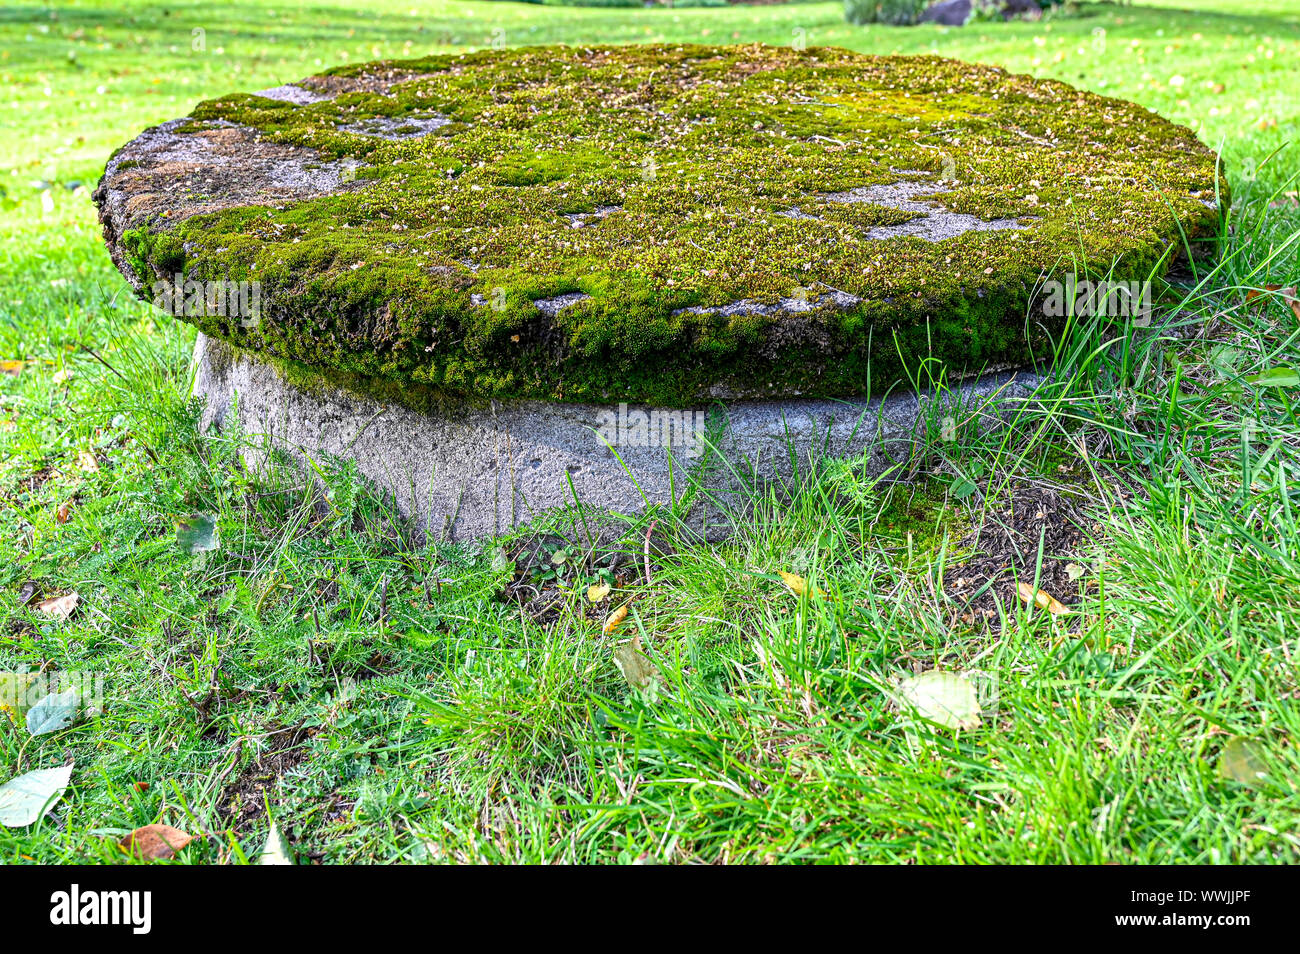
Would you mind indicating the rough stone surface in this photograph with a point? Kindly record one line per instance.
(167, 174)
(292, 93)
(393, 128)
(655, 224)
(480, 471)
(933, 222)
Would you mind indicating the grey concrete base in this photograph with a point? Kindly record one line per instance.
(479, 471)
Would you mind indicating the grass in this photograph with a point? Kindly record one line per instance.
(309, 666)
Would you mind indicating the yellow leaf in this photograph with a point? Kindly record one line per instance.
(615, 619)
(1042, 599)
(597, 592)
(1242, 760)
(947, 698)
(798, 585)
(12, 367)
(635, 666)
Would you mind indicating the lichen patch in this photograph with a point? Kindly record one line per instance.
(933, 223)
(553, 306)
(579, 220)
(290, 93)
(394, 128)
(805, 302)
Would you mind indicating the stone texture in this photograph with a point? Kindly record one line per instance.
(168, 173)
(480, 471)
(933, 222)
(657, 224)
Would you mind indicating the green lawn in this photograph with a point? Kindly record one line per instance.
(311, 664)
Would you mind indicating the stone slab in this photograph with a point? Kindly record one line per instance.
(481, 471)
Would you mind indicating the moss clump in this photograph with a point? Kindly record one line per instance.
(687, 163)
(153, 253)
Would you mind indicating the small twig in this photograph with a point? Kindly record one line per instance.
(203, 706)
(312, 658)
(91, 352)
(649, 530)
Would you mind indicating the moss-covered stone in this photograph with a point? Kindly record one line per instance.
(697, 207)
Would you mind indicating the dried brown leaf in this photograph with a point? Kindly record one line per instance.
(59, 607)
(155, 842)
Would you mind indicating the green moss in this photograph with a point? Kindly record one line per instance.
(426, 275)
(153, 253)
(221, 355)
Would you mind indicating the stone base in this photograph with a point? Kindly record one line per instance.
(479, 471)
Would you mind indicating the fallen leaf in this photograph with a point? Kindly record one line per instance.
(140, 786)
(53, 712)
(615, 619)
(11, 367)
(87, 463)
(947, 698)
(798, 585)
(635, 666)
(26, 799)
(597, 592)
(1289, 295)
(155, 842)
(1074, 571)
(59, 607)
(1042, 599)
(61, 516)
(197, 533)
(276, 851)
(1242, 760)
(1254, 293)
